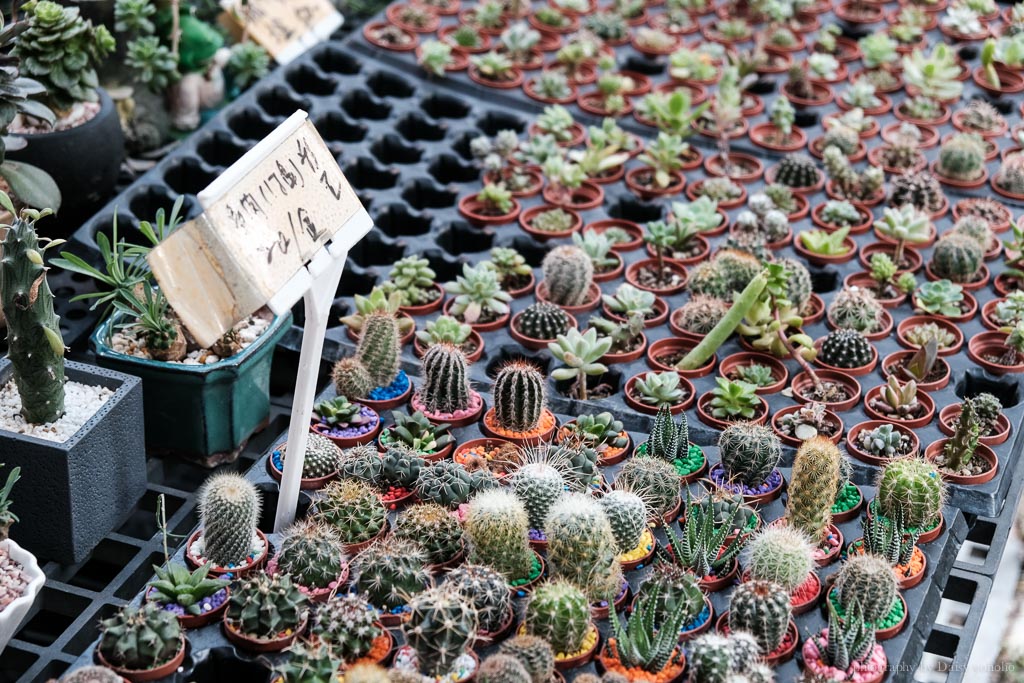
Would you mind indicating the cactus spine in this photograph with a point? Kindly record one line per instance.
(538, 485)
(436, 530)
(229, 507)
(559, 613)
(486, 590)
(654, 480)
(91, 674)
(353, 508)
(782, 554)
(321, 457)
(312, 554)
(749, 452)
(446, 387)
(351, 378)
(543, 320)
(308, 663)
(498, 531)
(440, 628)
(390, 571)
(913, 489)
(867, 581)
(140, 638)
(581, 547)
(265, 606)
(518, 397)
(814, 487)
(34, 342)
(568, 274)
(535, 654)
(763, 608)
(348, 623)
(379, 348)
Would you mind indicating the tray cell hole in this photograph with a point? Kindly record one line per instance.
(642, 65)
(220, 150)
(147, 203)
(425, 194)
(53, 670)
(532, 251)
(279, 101)
(460, 238)
(612, 378)
(805, 119)
(270, 492)
(127, 228)
(632, 209)
(1007, 390)
(137, 580)
(447, 168)
(248, 124)
(463, 143)
(362, 105)
(390, 149)
(508, 353)
(414, 126)
(356, 281)
(395, 220)
(372, 250)
(16, 663)
(447, 268)
(978, 542)
(442, 106)
(56, 610)
(307, 81)
(762, 86)
(142, 522)
(336, 61)
(937, 660)
(222, 664)
(824, 280)
(494, 122)
(955, 607)
(80, 642)
(187, 176)
(335, 127)
(187, 523)
(365, 174)
(105, 563)
(385, 84)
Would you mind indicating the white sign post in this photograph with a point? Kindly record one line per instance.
(277, 227)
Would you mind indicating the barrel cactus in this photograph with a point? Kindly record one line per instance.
(448, 483)
(264, 606)
(487, 592)
(140, 638)
(763, 608)
(348, 623)
(538, 485)
(918, 188)
(846, 349)
(749, 452)
(797, 171)
(912, 488)
(627, 515)
(957, 257)
(568, 275)
(353, 508)
(312, 554)
(654, 480)
(519, 397)
(543, 320)
(534, 653)
(501, 668)
(445, 387)
(229, 507)
(559, 613)
(867, 581)
(782, 554)
(390, 571)
(434, 528)
(440, 628)
(379, 347)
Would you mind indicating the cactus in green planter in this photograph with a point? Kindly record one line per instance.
(814, 486)
(559, 613)
(445, 387)
(229, 507)
(91, 674)
(913, 488)
(581, 547)
(846, 349)
(311, 553)
(35, 345)
(497, 529)
(749, 452)
(353, 508)
(308, 663)
(379, 349)
(390, 571)
(543, 320)
(568, 274)
(400, 468)
(535, 654)
(856, 308)
(519, 397)
(351, 378)
(501, 668)
(448, 483)
(957, 257)
(140, 638)
(538, 485)
(363, 463)
(763, 608)
(866, 581)
(654, 480)
(627, 515)
(348, 623)
(782, 554)
(264, 606)
(440, 628)
(961, 157)
(434, 527)
(797, 170)
(487, 592)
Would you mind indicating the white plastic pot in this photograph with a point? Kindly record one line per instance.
(14, 614)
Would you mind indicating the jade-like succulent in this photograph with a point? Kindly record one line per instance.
(579, 354)
(478, 295)
(939, 297)
(659, 388)
(896, 400)
(906, 224)
(413, 279)
(731, 400)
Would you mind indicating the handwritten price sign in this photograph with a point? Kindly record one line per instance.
(286, 28)
(263, 220)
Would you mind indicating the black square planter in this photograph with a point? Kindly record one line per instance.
(74, 493)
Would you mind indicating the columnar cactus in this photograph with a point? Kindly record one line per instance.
(763, 608)
(797, 170)
(497, 529)
(538, 485)
(568, 274)
(534, 653)
(749, 452)
(445, 387)
(501, 668)
(868, 582)
(353, 508)
(582, 548)
(654, 480)
(348, 623)
(264, 606)
(543, 320)
(782, 554)
(390, 571)
(229, 507)
(440, 628)
(845, 349)
(487, 592)
(35, 345)
(311, 553)
(379, 348)
(957, 257)
(559, 613)
(518, 397)
(434, 527)
(627, 515)
(140, 638)
(814, 486)
(913, 488)
(351, 378)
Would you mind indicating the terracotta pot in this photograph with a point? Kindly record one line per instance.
(488, 427)
(253, 565)
(675, 409)
(530, 190)
(646, 191)
(875, 158)
(599, 611)
(656, 320)
(352, 549)
(486, 442)
(853, 372)
(952, 412)
(626, 356)
(570, 663)
(593, 299)
(761, 133)
(991, 343)
(803, 383)
(489, 326)
(981, 279)
(755, 169)
(703, 249)
(1004, 284)
(312, 483)
(260, 645)
(1010, 83)
(940, 119)
(900, 357)
(198, 620)
(864, 280)
(454, 422)
(862, 455)
(470, 208)
(633, 273)
(822, 96)
(526, 220)
(370, 30)
(923, 398)
(154, 674)
(815, 310)
(962, 208)
(515, 81)
(982, 451)
(857, 229)
(670, 345)
(912, 259)
(628, 226)
(577, 134)
(342, 441)
(966, 316)
(780, 373)
(913, 321)
(793, 441)
(859, 13)
(826, 259)
(589, 195)
(715, 583)
(704, 413)
(878, 335)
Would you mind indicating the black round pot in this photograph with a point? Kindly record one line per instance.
(84, 161)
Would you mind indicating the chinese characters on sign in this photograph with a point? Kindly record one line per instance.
(286, 28)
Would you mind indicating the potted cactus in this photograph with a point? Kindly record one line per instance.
(538, 485)
(346, 423)
(750, 456)
(962, 458)
(539, 324)
(735, 654)
(993, 425)
(641, 649)
(784, 555)
(389, 574)
(519, 413)
(497, 528)
(569, 280)
(353, 507)
(437, 531)
(445, 329)
(911, 489)
(763, 608)
(670, 441)
(813, 489)
(439, 632)
(348, 625)
(446, 397)
(227, 538)
(319, 465)
(266, 613)
(486, 591)
(559, 612)
(141, 643)
(710, 543)
(311, 553)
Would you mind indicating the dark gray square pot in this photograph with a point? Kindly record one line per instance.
(74, 493)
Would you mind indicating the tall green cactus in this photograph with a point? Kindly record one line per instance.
(913, 488)
(518, 397)
(379, 347)
(445, 387)
(814, 487)
(229, 506)
(35, 346)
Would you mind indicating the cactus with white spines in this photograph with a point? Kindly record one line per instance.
(229, 508)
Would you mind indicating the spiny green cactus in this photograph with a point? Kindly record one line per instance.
(351, 378)
(918, 188)
(543, 320)
(845, 349)
(311, 553)
(229, 507)
(558, 612)
(534, 653)
(1010, 176)
(725, 275)
(867, 581)
(581, 547)
(400, 468)
(308, 663)
(379, 348)
(798, 286)
(321, 459)
(348, 623)
(701, 313)
(496, 526)
(914, 488)
(856, 308)
(977, 228)
(959, 448)
(988, 408)
(538, 485)
(717, 658)
(487, 592)
(434, 527)
(363, 463)
(957, 257)
(91, 674)
(850, 638)
(140, 638)
(577, 462)
(35, 345)
(749, 452)
(501, 668)
(445, 387)
(353, 508)
(814, 486)
(390, 571)
(568, 274)
(890, 538)
(264, 606)
(782, 554)
(763, 608)
(440, 628)
(654, 480)
(627, 515)
(797, 170)
(448, 483)
(962, 157)
(519, 397)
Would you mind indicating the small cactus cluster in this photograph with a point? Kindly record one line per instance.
(351, 378)
(849, 183)
(718, 658)
(445, 388)
(568, 275)
(558, 612)
(496, 527)
(448, 483)
(627, 515)
(749, 452)
(797, 170)
(814, 486)
(390, 571)
(957, 257)
(264, 606)
(920, 189)
(846, 348)
(229, 507)
(582, 547)
(311, 553)
(487, 592)
(348, 623)
(519, 397)
(140, 638)
(353, 508)
(543, 320)
(856, 308)
(763, 609)
(700, 314)
(654, 480)
(399, 468)
(780, 553)
(988, 408)
(441, 626)
(434, 528)
(534, 653)
(961, 157)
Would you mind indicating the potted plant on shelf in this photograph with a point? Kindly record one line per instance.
(439, 613)
(911, 489)
(709, 544)
(904, 225)
(648, 391)
(580, 355)
(660, 483)
(141, 643)
(494, 70)
(412, 279)
(731, 401)
(796, 424)
(478, 299)
(497, 527)
(24, 577)
(353, 506)
(446, 397)
(228, 538)
(649, 642)
(670, 441)
(567, 185)
(602, 433)
(514, 274)
(195, 599)
(496, 156)
(266, 613)
(519, 413)
(660, 275)
(569, 280)
(762, 608)
(738, 651)
(813, 489)
(628, 301)
(778, 133)
(822, 247)
(345, 423)
(877, 442)
(845, 182)
(559, 612)
(784, 555)
(311, 553)
(961, 458)
(750, 456)
(993, 425)
(539, 324)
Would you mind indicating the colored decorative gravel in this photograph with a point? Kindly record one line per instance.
(398, 387)
(847, 499)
